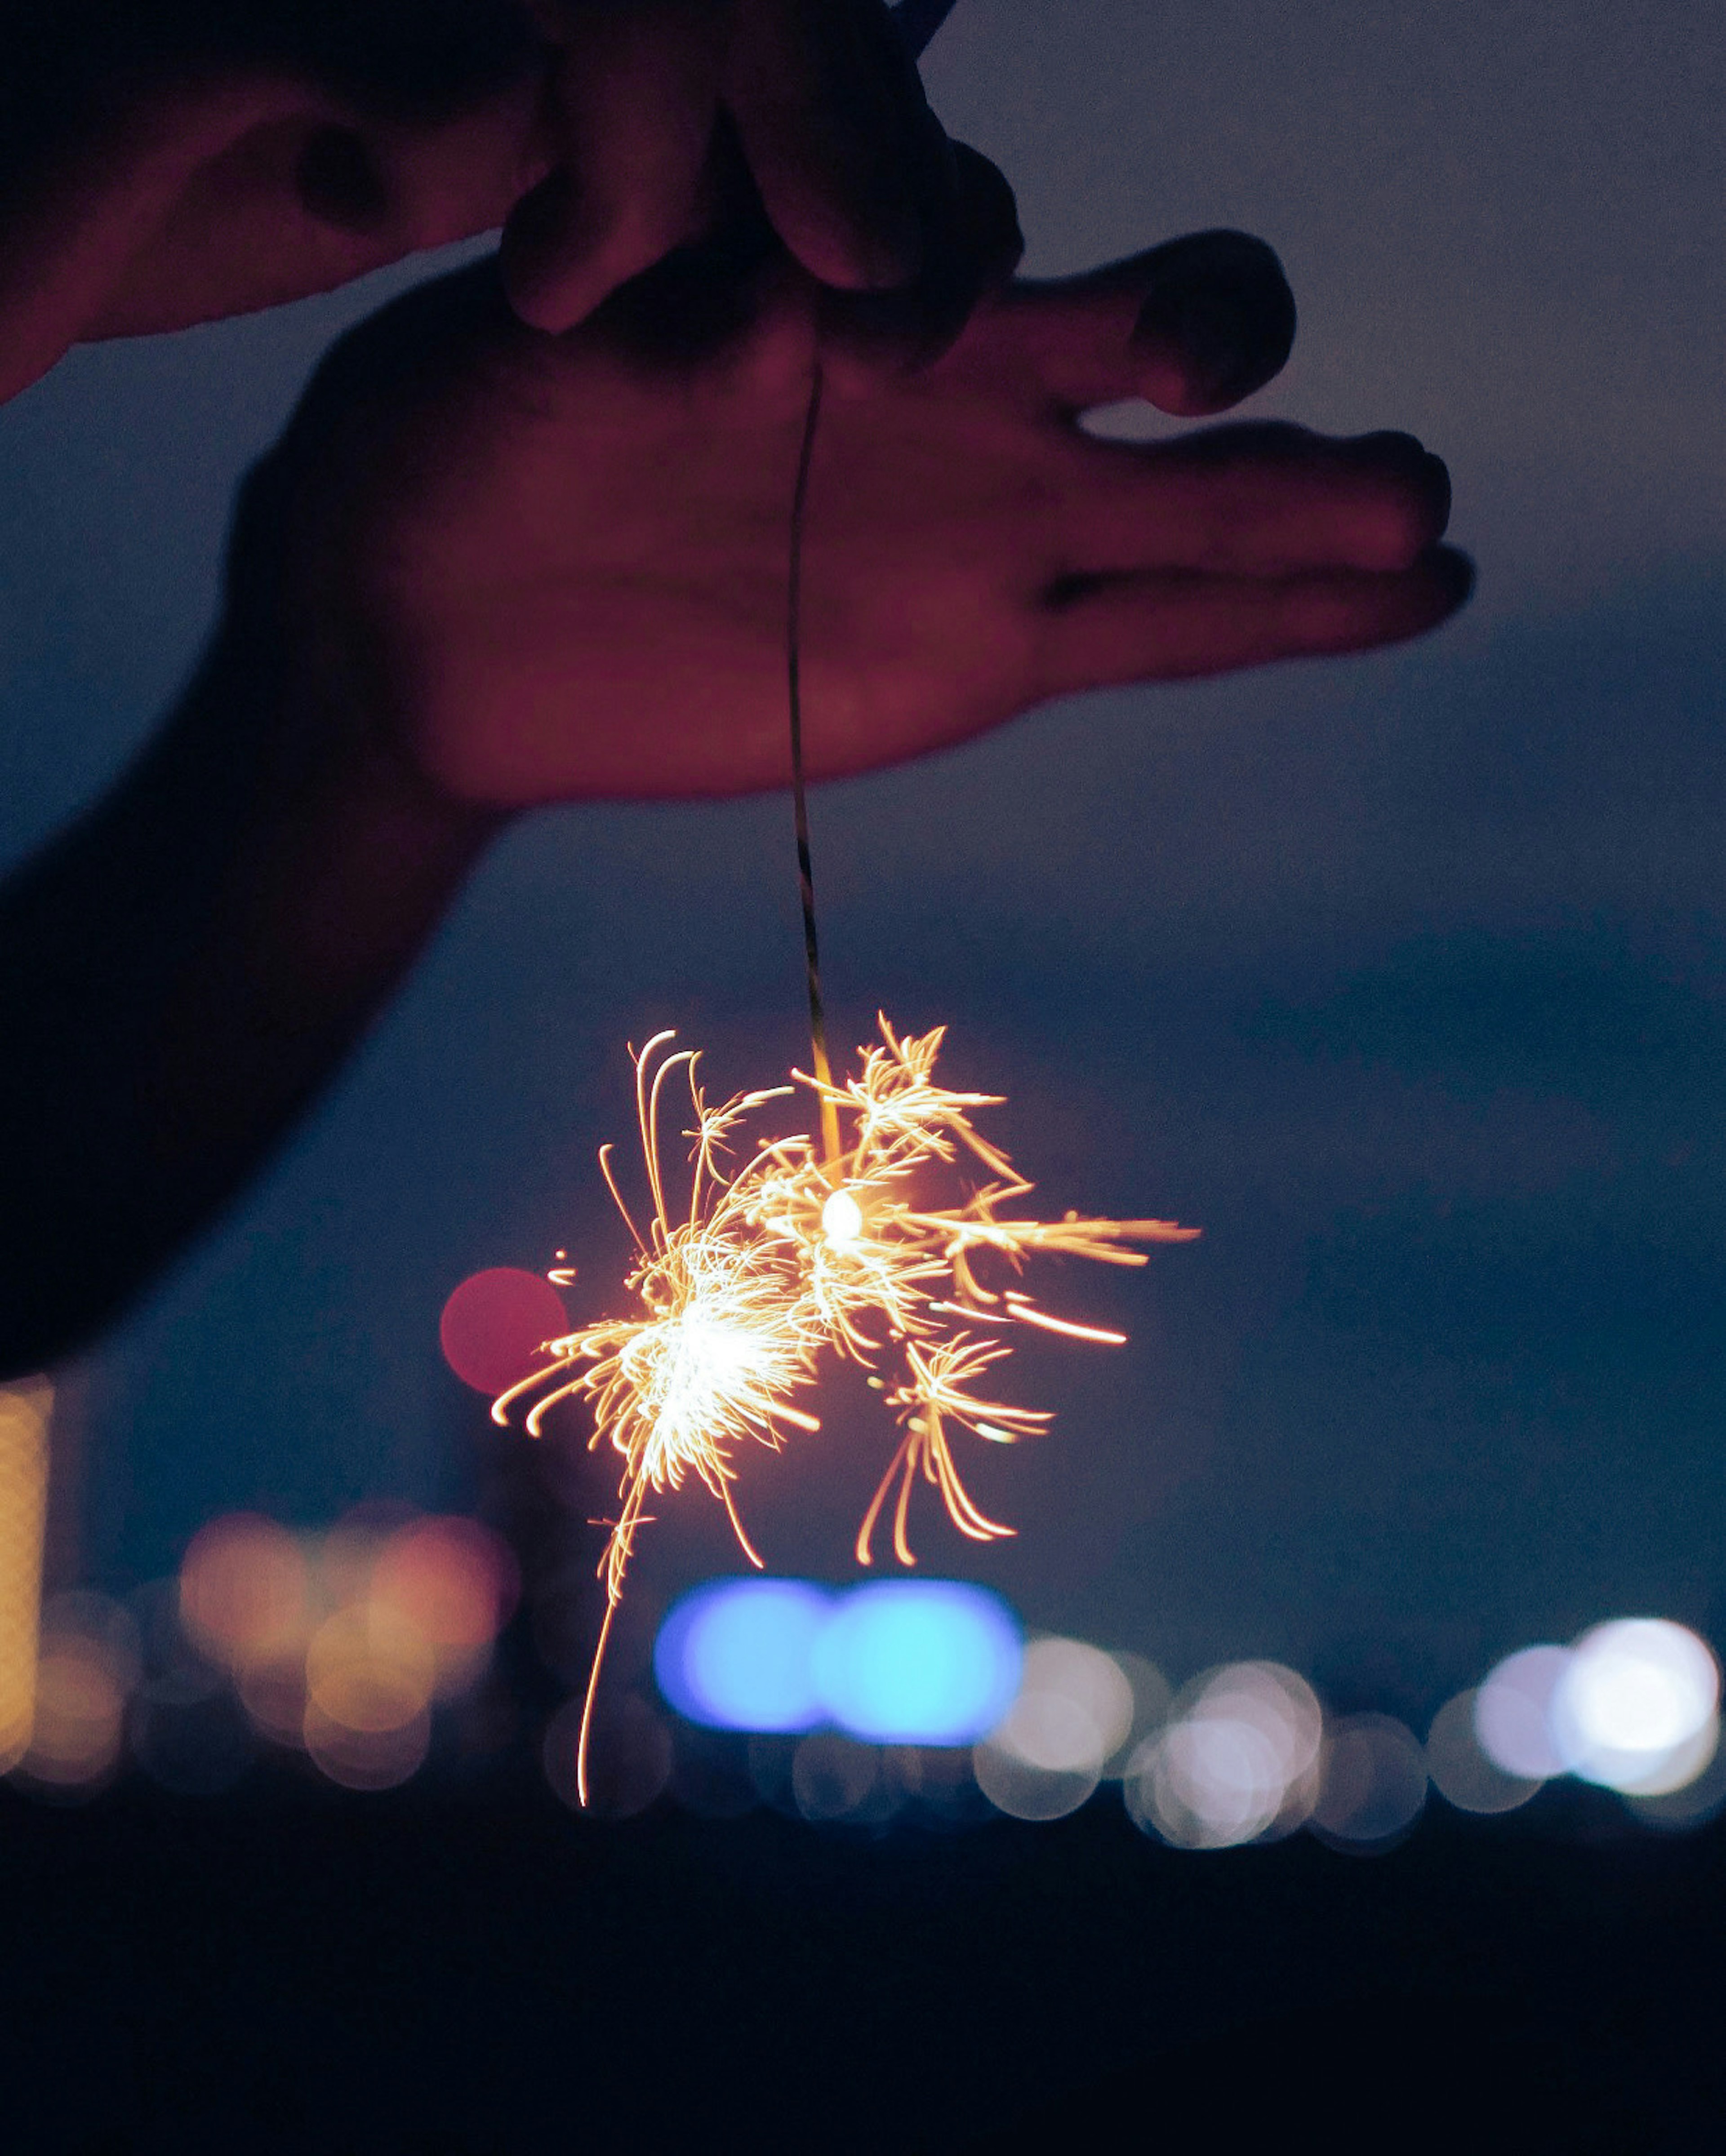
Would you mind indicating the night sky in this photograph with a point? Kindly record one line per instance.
(1401, 977)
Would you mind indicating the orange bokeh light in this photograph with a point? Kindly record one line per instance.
(455, 1582)
(244, 1589)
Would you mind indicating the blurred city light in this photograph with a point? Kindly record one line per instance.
(1460, 1768)
(894, 1662)
(1636, 1706)
(455, 1582)
(1073, 1711)
(368, 1670)
(245, 1589)
(24, 1410)
(1512, 1712)
(835, 1777)
(1153, 1694)
(896, 1700)
(918, 1661)
(380, 1757)
(337, 1645)
(1237, 1761)
(739, 1654)
(1632, 1706)
(89, 1664)
(1372, 1782)
(495, 1324)
(1693, 1803)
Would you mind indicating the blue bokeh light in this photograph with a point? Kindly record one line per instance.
(738, 1654)
(898, 1662)
(919, 1662)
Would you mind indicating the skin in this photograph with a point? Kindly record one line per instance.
(488, 567)
(184, 189)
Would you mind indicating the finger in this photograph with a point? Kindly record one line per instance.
(976, 254)
(634, 101)
(1100, 632)
(1193, 326)
(1265, 499)
(853, 168)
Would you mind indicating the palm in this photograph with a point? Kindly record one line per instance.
(570, 555)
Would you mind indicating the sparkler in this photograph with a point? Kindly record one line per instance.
(743, 1287)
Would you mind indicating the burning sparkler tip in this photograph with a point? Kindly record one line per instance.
(803, 1250)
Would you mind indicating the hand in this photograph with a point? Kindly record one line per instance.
(551, 570)
(602, 134)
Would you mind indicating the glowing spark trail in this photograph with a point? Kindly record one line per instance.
(743, 1286)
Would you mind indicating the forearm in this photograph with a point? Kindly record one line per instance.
(181, 971)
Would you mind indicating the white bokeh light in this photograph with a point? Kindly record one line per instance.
(1237, 1760)
(1460, 1768)
(1374, 1784)
(1634, 1708)
(1512, 1713)
(1074, 1709)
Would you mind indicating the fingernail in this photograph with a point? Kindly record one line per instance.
(1220, 307)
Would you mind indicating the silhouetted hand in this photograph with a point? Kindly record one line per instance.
(601, 134)
(549, 569)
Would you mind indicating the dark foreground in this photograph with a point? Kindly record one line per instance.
(474, 1971)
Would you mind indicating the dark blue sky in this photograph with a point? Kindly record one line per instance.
(1402, 977)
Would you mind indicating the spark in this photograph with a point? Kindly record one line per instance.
(804, 1251)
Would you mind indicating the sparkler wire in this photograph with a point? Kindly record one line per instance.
(800, 797)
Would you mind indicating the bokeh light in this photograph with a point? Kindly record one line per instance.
(24, 1411)
(90, 1663)
(368, 1670)
(1462, 1771)
(455, 1582)
(918, 1661)
(1512, 1712)
(495, 1324)
(1634, 1707)
(910, 1699)
(339, 1645)
(1074, 1709)
(1693, 1803)
(1153, 1695)
(366, 1760)
(835, 1778)
(1373, 1785)
(739, 1654)
(1237, 1761)
(894, 1662)
(245, 1589)
(1026, 1792)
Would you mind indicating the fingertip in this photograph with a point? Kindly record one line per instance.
(1437, 477)
(1456, 575)
(1216, 323)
